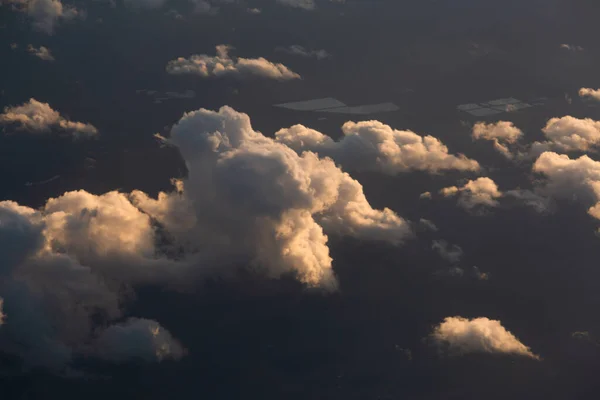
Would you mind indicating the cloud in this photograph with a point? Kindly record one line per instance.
(250, 197)
(569, 134)
(571, 47)
(428, 225)
(38, 117)
(482, 192)
(45, 14)
(137, 338)
(451, 253)
(501, 133)
(571, 178)
(2, 316)
(223, 65)
(297, 50)
(374, 146)
(49, 297)
(303, 4)
(41, 52)
(478, 335)
(247, 201)
(591, 94)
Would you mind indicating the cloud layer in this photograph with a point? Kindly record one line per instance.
(223, 65)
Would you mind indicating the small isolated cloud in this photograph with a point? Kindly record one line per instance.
(569, 134)
(41, 52)
(571, 47)
(501, 133)
(223, 65)
(482, 192)
(2, 316)
(374, 146)
(38, 117)
(479, 335)
(590, 94)
(138, 339)
(428, 225)
(450, 253)
(425, 195)
(254, 11)
(297, 50)
(303, 4)
(45, 14)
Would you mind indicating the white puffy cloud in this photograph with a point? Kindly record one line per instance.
(224, 65)
(45, 14)
(588, 93)
(42, 53)
(501, 133)
(481, 192)
(571, 178)
(38, 117)
(249, 197)
(451, 253)
(300, 51)
(138, 338)
(569, 134)
(374, 146)
(478, 335)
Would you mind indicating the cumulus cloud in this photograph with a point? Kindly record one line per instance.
(223, 65)
(501, 133)
(38, 117)
(249, 196)
(374, 146)
(591, 94)
(481, 192)
(571, 178)
(569, 134)
(247, 201)
(451, 253)
(138, 339)
(45, 14)
(478, 335)
(297, 50)
(41, 52)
